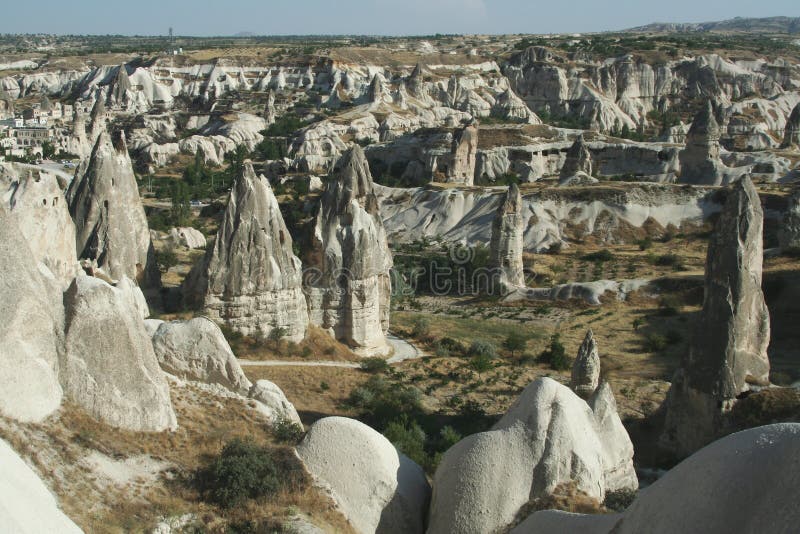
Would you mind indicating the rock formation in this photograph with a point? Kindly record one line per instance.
(377, 488)
(251, 279)
(700, 163)
(110, 222)
(416, 81)
(30, 316)
(109, 367)
(547, 438)
(789, 231)
(190, 238)
(26, 504)
(464, 153)
(276, 407)
(77, 143)
(269, 109)
(586, 368)
(728, 352)
(578, 162)
(197, 350)
(791, 136)
(98, 118)
(745, 482)
(119, 88)
(348, 284)
(505, 248)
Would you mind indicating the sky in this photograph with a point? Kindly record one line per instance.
(365, 17)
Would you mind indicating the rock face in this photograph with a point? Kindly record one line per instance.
(251, 279)
(791, 136)
(548, 437)
(29, 336)
(747, 482)
(197, 350)
(348, 284)
(187, 237)
(269, 108)
(586, 368)
(789, 232)
(377, 488)
(274, 400)
(464, 153)
(110, 222)
(26, 505)
(700, 162)
(728, 352)
(109, 367)
(40, 209)
(98, 119)
(579, 160)
(505, 248)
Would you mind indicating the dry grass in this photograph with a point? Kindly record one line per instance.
(317, 345)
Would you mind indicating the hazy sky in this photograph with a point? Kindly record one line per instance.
(373, 17)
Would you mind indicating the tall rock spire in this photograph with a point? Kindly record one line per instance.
(505, 248)
(791, 135)
(700, 163)
(348, 286)
(464, 154)
(728, 352)
(110, 223)
(586, 368)
(98, 118)
(251, 279)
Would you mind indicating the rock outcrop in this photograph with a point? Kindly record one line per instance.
(98, 118)
(728, 351)
(348, 283)
(464, 154)
(747, 482)
(548, 437)
(505, 248)
(196, 350)
(274, 404)
(109, 367)
(251, 279)
(586, 368)
(700, 161)
(30, 321)
(789, 231)
(578, 161)
(190, 238)
(270, 113)
(110, 222)
(26, 505)
(791, 136)
(378, 489)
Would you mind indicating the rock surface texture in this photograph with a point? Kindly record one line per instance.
(109, 366)
(348, 284)
(577, 163)
(728, 352)
(586, 368)
(274, 400)
(110, 222)
(791, 135)
(251, 279)
(377, 488)
(190, 238)
(548, 437)
(464, 153)
(747, 482)
(700, 161)
(789, 232)
(505, 248)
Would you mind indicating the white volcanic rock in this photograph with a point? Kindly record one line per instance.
(349, 289)
(110, 222)
(505, 248)
(791, 136)
(747, 482)
(30, 323)
(213, 148)
(244, 130)
(578, 160)
(789, 231)
(586, 368)
(109, 367)
(77, 143)
(37, 203)
(99, 118)
(157, 155)
(190, 238)
(547, 438)
(700, 161)
(465, 148)
(26, 505)
(617, 449)
(197, 350)
(728, 351)
(511, 107)
(274, 403)
(134, 294)
(251, 279)
(377, 488)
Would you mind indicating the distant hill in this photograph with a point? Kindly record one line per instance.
(735, 25)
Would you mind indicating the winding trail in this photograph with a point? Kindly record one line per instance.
(403, 351)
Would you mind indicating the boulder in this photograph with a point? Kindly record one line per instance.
(110, 222)
(273, 402)
(109, 367)
(30, 324)
(26, 505)
(348, 282)
(251, 280)
(377, 488)
(586, 368)
(197, 350)
(549, 437)
(728, 351)
(190, 238)
(505, 248)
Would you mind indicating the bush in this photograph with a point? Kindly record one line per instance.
(619, 500)
(655, 342)
(287, 431)
(599, 256)
(480, 363)
(380, 401)
(374, 365)
(166, 259)
(645, 244)
(277, 333)
(245, 470)
(515, 342)
(409, 438)
(555, 355)
(483, 348)
(421, 327)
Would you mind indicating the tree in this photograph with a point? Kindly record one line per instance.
(515, 342)
(555, 355)
(48, 150)
(181, 207)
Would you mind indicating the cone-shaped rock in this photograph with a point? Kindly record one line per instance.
(415, 80)
(251, 279)
(791, 135)
(505, 248)
(120, 87)
(98, 118)
(789, 232)
(586, 368)
(700, 163)
(348, 284)
(728, 352)
(464, 153)
(269, 108)
(110, 223)
(578, 160)
(377, 90)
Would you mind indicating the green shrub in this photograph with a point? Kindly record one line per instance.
(655, 342)
(645, 244)
(599, 256)
(277, 333)
(480, 363)
(374, 365)
(287, 431)
(244, 470)
(409, 438)
(482, 347)
(619, 500)
(421, 327)
(515, 342)
(324, 386)
(556, 355)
